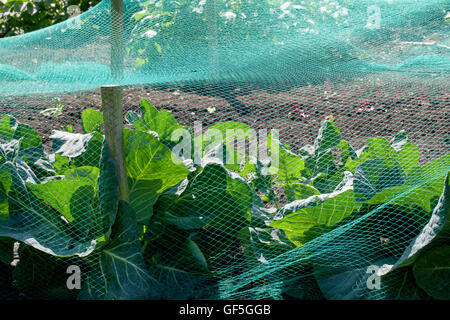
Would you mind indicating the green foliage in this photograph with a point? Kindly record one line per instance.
(121, 273)
(421, 272)
(372, 176)
(304, 220)
(160, 122)
(159, 25)
(33, 222)
(184, 222)
(150, 170)
(17, 17)
(432, 272)
(37, 275)
(91, 120)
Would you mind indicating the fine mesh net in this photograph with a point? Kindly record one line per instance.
(273, 150)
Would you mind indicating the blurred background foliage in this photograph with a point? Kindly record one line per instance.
(21, 16)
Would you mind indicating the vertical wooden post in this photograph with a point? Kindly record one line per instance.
(112, 99)
(117, 41)
(211, 21)
(113, 115)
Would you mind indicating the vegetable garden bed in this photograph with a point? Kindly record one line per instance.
(228, 231)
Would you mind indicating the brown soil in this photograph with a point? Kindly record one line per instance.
(363, 108)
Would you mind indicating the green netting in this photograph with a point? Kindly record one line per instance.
(273, 149)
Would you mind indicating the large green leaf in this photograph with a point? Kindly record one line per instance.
(5, 188)
(199, 221)
(6, 250)
(432, 272)
(328, 137)
(82, 149)
(11, 129)
(180, 285)
(9, 151)
(320, 167)
(195, 250)
(304, 220)
(75, 198)
(87, 174)
(421, 196)
(143, 195)
(347, 152)
(401, 285)
(151, 170)
(407, 154)
(398, 148)
(372, 176)
(289, 165)
(264, 244)
(8, 125)
(58, 194)
(108, 189)
(434, 232)
(377, 148)
(226, 143)
(91, 120)
(33, 222)
(41, 276)
(341, 280)
(408, 157)
(24, 142)
(431, 171)
(161, 122)
(422, 187)
(170, 246)
(178, 250)
(120, 272)
(210, 196)
(87, 222)
(346, 278)
(30, 138)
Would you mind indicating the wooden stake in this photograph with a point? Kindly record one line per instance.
(117, 42)
(113, 115)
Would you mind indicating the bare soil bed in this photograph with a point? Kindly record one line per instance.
(362, 108)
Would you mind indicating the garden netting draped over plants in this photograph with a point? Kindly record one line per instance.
(274, 149)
